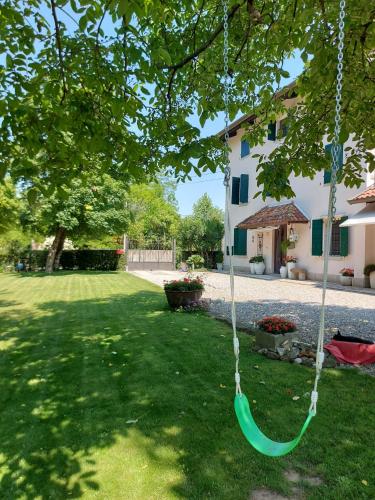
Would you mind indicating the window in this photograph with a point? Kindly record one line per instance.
(339, 239)
(240, 189)
(272, 131)
(235, 190)
(328, 150)
(335, 238)
(245, 148)
(283, 127)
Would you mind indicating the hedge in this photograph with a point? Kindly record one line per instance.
(82, 260)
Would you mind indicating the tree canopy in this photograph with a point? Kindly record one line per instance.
(115, 83)
(154, 214)
(202, 231)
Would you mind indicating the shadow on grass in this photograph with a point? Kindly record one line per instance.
(42, 274)
(81, 375)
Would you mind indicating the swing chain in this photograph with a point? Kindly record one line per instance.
(335, 152)
(226, 94)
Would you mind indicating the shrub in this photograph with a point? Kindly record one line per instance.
(195, 261)
(347, 271)
(370, 268)
(257, 258)
(276, 325)
(219, 257)
(184, 285)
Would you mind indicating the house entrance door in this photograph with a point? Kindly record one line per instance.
(279, 255)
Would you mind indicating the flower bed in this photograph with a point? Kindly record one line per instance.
(276, 325)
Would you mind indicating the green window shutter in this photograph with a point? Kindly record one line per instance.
(235, 190)
(272, 131)
(327, 173)
(344, 239)
(244, 188)
(240, 241)
(245, 148)
(317, 237)
(227, 250)
(328, 149)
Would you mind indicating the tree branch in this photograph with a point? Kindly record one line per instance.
(208, 42)
(59, 50)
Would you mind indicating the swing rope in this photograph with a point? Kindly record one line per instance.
(242, 408)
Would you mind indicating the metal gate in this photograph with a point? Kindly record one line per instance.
(153, 256)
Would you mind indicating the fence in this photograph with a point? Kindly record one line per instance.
(158, 255)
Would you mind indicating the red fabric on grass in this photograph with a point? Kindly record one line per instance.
(352, 352)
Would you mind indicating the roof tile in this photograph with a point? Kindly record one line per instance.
(274, 216)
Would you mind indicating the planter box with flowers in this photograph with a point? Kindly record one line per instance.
(182, 293)
(347, 275)
(274, 331)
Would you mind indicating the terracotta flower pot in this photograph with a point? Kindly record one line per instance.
(177, 299)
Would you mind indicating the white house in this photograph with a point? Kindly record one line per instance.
(260, 226)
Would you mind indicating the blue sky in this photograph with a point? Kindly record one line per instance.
(212, 184)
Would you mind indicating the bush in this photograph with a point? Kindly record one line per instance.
(195, 261)
(219, 257)
(184, 285)
(276, 325)
(257, 258)
(90, 260)
(370, 268)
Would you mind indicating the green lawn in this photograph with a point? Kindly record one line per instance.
(104, 393)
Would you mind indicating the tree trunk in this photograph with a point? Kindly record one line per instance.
(54, 252)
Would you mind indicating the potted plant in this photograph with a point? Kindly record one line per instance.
(219, 257)
(183, 292)
(195, 262)
(259, 266)
(274, 331)
(252, 265)
(283, 271)
(369, 271)
(347, 274)
(290, 264)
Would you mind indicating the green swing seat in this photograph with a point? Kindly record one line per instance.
(256, 437)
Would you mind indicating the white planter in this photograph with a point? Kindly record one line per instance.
(290, 266)
(372, 279)
(219, 266)
(259, 267)
(283, 272)
(252, 268)
(346, 280)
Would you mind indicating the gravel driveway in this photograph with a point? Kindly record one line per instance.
(351, 310)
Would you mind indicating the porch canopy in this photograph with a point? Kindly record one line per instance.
(364, 216)
(274, 217)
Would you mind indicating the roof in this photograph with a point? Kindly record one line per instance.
(363, 217)
(286, 92)
(274, 216)
(367, 196)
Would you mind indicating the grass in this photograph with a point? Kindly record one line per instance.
(104, 393)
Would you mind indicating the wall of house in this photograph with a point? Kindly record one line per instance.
(312, 199)
(370, 244)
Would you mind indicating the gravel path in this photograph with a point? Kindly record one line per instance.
(352, 311)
